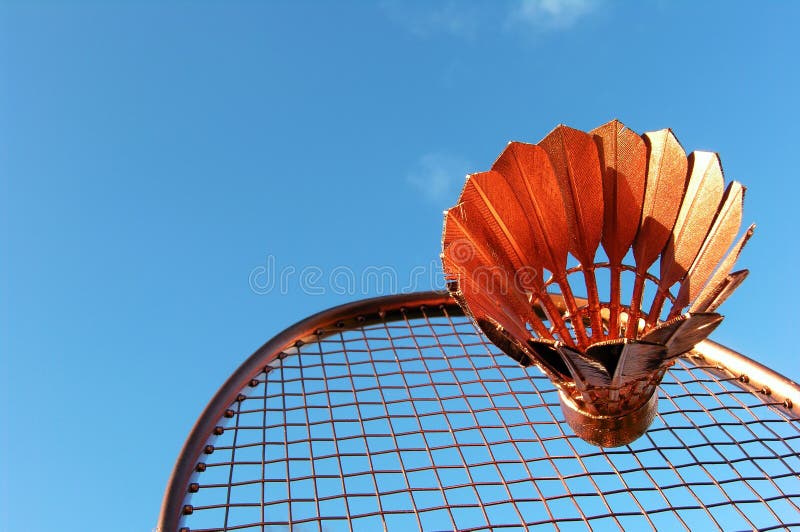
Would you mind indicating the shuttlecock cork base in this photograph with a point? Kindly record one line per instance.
(609, 431)
(506, 251)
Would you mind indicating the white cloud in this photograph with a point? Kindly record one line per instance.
(439, 177)
(552, 14)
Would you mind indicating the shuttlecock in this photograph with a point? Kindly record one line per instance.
(506, 248)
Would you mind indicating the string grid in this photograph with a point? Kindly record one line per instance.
(419, 422)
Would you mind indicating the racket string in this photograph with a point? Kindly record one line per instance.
(421, 423)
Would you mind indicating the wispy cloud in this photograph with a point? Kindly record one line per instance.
(468, 20)
(551, 14)
(452, 18)
(438, 176)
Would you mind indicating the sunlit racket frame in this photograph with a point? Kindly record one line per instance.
(780, 392)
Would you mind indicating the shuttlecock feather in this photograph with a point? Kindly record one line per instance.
(637, 195)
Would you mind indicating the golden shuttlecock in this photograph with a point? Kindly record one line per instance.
(507, 241)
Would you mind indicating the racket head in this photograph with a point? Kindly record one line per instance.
(397, 412)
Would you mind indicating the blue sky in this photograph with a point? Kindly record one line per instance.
(157, 159)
